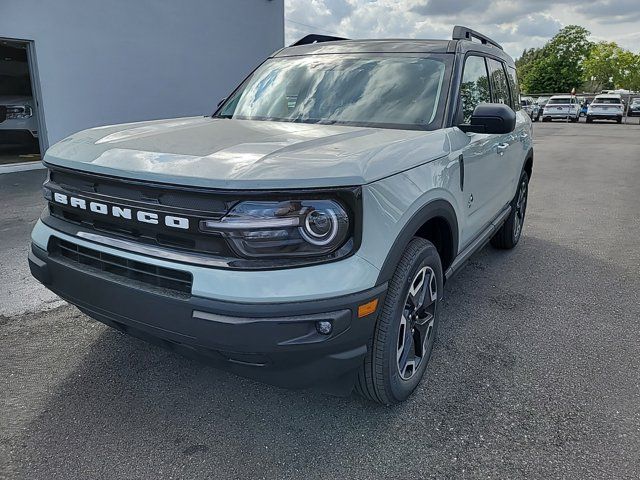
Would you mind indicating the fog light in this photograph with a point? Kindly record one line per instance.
(324, 327)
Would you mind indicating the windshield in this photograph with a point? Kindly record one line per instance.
(559, 101)
(380, 91)
(613, 101)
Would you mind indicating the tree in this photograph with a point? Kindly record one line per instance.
(630, 71)
(557, 66)
(525, 63)
(611, 66)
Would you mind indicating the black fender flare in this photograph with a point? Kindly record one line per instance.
(434, 209)
(528, 157)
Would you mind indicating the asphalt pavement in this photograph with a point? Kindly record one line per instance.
(535, 374)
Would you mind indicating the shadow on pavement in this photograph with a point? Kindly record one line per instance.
(510, 394)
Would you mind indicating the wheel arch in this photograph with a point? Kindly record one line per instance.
(437, 222)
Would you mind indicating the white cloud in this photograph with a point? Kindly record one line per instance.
(517, 24)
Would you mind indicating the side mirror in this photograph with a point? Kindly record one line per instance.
(495, 118)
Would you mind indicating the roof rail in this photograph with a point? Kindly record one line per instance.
(465, 33)
(314, 38)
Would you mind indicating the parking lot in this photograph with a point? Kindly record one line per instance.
(536, 373)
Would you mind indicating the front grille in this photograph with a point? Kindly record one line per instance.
(162, 199)
(158, 278)
(214, 205)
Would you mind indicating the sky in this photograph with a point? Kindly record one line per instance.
(516, 24)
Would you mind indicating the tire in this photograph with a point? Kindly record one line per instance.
(619, 119)
(387, 376)
(589, 119)
(509, 234)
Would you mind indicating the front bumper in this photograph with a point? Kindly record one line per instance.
(275, 343)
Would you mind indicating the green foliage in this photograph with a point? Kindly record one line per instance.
(611, 66)
(569, 60)
(557, 66)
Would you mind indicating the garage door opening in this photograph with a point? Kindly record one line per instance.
(19, 112)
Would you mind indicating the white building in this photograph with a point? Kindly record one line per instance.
(97, 62)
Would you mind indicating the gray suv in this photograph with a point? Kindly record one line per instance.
(303, 233)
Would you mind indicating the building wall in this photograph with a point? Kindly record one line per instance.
(103, 62)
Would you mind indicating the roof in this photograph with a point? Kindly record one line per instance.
(368, 46)
(411, 46)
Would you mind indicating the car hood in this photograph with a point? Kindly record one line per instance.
(225, 153)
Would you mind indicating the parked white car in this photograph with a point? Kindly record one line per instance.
(606, 107)
(564, 107)
(18, 124)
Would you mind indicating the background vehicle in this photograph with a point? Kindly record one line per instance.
(530, 108)
(606, 107)
(301, 235)
(18, 124)
(564, 107)
(584, 106)
(634, 107)
(541, 102)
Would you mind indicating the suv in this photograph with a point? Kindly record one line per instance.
(530, 108)
(606, 107)
(565, 107)
(303, 233)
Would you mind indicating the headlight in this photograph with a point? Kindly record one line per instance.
(277, 229)
(19, 111)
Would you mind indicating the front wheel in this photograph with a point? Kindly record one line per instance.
(509, 234)
(405, 332)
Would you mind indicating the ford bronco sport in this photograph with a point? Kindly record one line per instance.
(302, 234)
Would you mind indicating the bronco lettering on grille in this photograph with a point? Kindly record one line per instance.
(121, 212)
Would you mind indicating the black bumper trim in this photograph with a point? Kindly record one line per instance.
(276, 343)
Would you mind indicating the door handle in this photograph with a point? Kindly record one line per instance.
(502, 147)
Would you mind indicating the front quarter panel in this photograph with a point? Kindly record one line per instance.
(390, 204)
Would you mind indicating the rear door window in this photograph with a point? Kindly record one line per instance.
(499, 83)
(515, 89)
